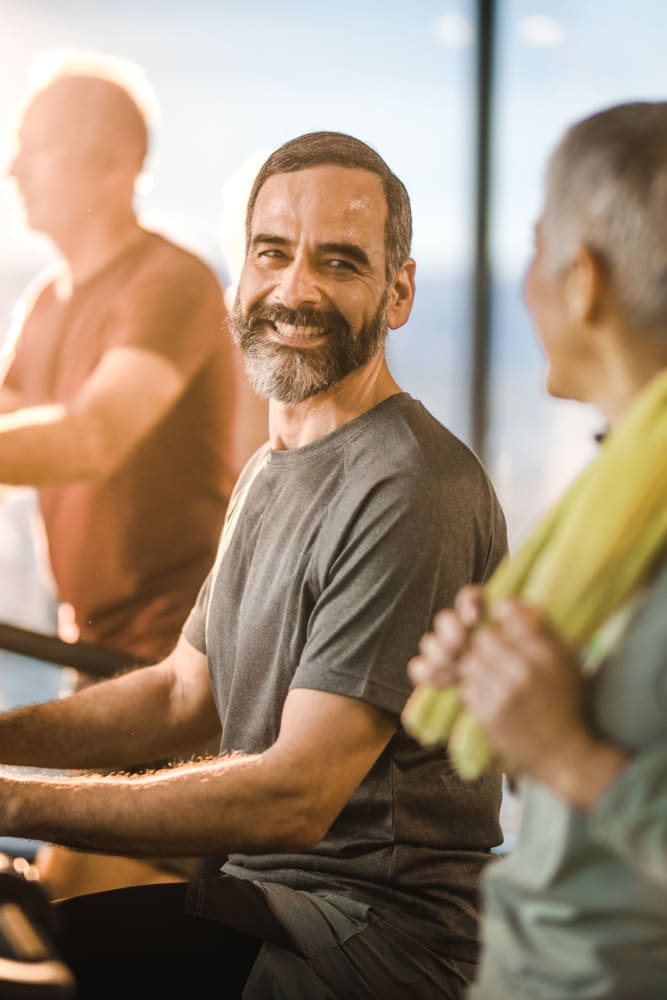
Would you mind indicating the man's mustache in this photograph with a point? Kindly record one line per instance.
(329, 321)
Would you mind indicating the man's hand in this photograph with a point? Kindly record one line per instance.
(525, 686)
(521, 681)
(441, 649)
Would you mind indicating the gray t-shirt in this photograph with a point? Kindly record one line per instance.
(334, 560)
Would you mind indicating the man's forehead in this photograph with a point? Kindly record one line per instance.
(338, 194)
(59, 93)
(77, 104)
(52, 110)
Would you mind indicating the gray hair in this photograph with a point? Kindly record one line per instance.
(338, 149)
(607, 190)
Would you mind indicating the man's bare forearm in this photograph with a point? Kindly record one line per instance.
(212, 807)
(108, 725)
(41, 445)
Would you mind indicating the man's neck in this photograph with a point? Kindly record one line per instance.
(624, 376)
(293, 425)
(94, 245)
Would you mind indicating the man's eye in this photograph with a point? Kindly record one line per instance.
(271, 253)
(336, 264)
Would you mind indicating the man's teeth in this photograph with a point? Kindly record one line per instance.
(298, 332)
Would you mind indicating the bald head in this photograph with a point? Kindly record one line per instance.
(80, 146)
(94, 113)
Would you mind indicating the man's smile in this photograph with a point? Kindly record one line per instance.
(295, 336)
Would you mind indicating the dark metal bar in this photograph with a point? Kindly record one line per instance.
(87, 657)
(486, 11)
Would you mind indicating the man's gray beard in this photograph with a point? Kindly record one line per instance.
(292, 374)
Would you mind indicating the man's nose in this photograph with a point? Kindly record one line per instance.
(299, 285)
(12, 163)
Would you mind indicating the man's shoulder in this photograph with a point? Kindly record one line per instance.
(416, 469)
(44, 283)
(403, 435)
(166, 260)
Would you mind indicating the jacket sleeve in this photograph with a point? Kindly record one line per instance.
(631, 817)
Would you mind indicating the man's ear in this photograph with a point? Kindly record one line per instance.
(401, 295)
(584, 286)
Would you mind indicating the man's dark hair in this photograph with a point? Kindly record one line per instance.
(315, 149)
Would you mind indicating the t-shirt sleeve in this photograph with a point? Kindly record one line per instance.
(174, 307)
(194, 628)
(398, 563)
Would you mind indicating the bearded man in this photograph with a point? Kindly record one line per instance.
(352, 854)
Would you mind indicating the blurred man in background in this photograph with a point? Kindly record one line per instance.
(118, 402)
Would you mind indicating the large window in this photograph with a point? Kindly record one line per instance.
(235, 79)
(555, 61)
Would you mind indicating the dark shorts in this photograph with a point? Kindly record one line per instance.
(259, 941)
(338, 947)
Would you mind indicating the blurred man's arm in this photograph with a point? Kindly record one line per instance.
(9, 399)
(284, 799)
(143, 715)
(123, 399)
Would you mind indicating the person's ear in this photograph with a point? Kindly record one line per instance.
(401, 295)
(584, 286)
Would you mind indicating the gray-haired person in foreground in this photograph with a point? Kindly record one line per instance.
(579, 907)
(353, 855)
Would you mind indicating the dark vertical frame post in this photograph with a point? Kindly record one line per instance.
(486, 10)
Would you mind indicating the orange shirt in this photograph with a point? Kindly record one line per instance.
(130, 551)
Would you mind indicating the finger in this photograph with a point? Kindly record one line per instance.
(521, 620)
(469, 604)
(526, 630)
(492, 663)
(499, 670)
(438, 654)
(537, 642)
(487, 687)
(450, 632)
(422, 671)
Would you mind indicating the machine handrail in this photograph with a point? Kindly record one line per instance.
(99, 661)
